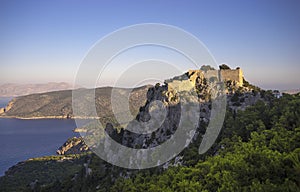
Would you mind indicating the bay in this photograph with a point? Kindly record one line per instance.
(24, 139)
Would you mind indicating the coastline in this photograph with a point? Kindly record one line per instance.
(46, 117)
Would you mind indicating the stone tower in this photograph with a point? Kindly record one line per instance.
(235, 75)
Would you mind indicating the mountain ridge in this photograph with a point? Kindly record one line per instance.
(58, 104)
(15, 89)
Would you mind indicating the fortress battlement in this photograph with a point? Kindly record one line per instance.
(187, 81)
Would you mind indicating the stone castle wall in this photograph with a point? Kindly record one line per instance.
(233, 75)
(187, 82)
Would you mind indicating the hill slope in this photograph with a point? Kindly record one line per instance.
(257, 150)
(58, 104)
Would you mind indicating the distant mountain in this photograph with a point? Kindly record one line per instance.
(14, 90)
(291, 91)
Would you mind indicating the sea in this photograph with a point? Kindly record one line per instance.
(24, 139)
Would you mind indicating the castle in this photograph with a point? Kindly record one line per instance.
(235, 75)
(188, 81)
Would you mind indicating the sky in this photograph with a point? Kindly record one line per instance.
(46, 41)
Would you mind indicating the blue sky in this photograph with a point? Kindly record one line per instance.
(42, 41)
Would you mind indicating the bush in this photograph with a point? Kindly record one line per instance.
(224, 66)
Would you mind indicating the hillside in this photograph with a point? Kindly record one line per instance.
(256, 150)
(291, 91)
(58, 104)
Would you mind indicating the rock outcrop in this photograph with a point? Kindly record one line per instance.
(172, 94)
(73, 146)
(195, 86)
(8, 107)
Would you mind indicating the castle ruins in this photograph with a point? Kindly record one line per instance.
(188, 81)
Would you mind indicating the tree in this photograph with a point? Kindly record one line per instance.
(206, 68)
(224, 66)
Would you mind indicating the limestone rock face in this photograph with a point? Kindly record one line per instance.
(204, 87)
(172, 94)
(185, 82)
(72, 146)
(8, 107)
(194, 75)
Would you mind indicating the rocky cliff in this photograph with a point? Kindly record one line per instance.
(205, 87)
(72, 146)
(80, 165)
(175, 92)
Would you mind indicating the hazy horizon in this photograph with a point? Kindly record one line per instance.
(46, 41)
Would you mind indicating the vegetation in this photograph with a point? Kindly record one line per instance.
(224, 66)
(41, 170)
(258, 149)
(206, 68)
(250, 86)
(59, 103)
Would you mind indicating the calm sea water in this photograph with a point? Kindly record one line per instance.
(4, 101)
(23, 139)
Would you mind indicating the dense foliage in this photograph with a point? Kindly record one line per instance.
(206, 68)
(224, 66)
(258, 150)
